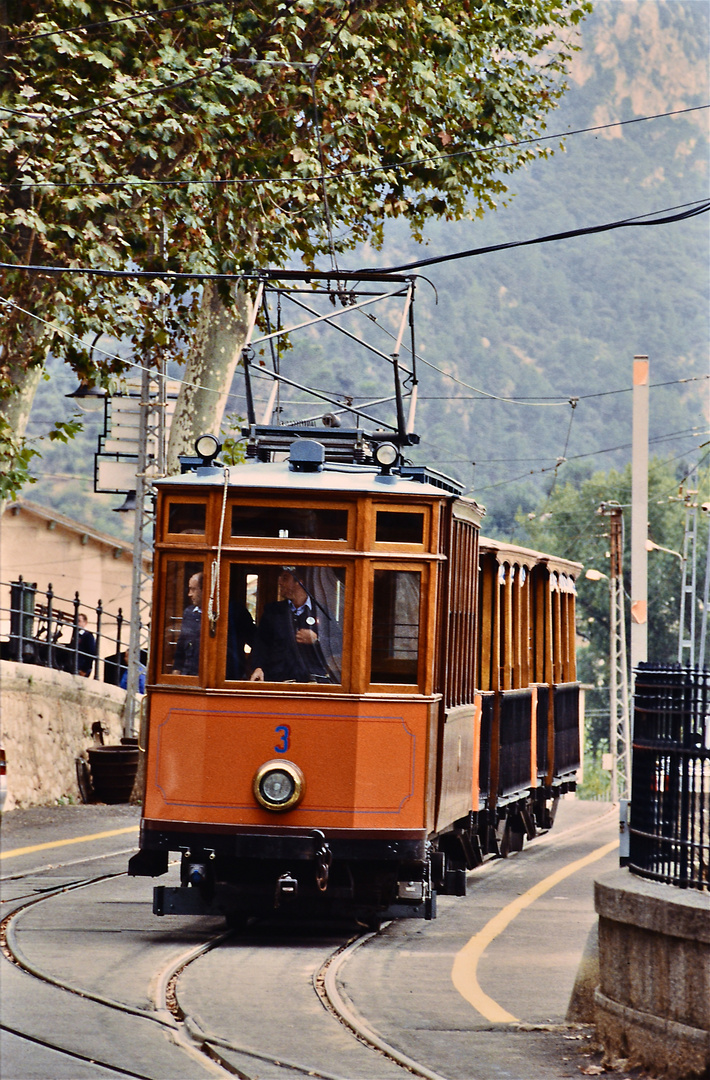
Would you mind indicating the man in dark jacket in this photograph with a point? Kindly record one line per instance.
(286, 648)
(187, 649)
(81, 650)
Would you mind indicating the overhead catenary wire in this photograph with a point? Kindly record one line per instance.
(135, 17)
(550, 397)
(347, 174)
(650, 218)
(577, 457)
(685, 212)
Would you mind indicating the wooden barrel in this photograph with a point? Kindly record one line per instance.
(113, 772)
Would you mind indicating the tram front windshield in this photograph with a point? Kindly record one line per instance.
(283, 623)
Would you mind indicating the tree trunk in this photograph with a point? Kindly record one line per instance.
(209, 372)
(21, 379)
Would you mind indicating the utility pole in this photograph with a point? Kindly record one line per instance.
(688, 597)
(619, 728)
(706, 597)
(639, 514)
(151, 465)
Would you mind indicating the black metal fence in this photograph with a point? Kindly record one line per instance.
(48, 630)
(670, 793)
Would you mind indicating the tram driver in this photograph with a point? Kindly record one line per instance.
(287, 646)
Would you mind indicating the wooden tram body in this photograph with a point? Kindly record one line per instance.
(444, 729)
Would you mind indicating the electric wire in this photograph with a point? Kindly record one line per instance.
(110, 22)
(687, 211)
(697, 207)
(576, 457)
(167, 86)
(111, 356)
(384, 168)
(580, 397)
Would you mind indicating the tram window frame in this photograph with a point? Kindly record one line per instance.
(272, 506)
(416, 686)
(424, 512)
(258, 565)
(193, 563)
(185, 537)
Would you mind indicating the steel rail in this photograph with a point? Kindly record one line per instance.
(163, 1017)
(352, 1019)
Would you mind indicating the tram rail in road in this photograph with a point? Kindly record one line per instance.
(104, 941)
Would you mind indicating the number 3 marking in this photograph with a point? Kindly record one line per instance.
(285, 732)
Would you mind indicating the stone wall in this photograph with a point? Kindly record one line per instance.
(653, 1002)
(47, 717)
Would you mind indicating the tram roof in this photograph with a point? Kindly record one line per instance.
(514, 554)
(333, 478)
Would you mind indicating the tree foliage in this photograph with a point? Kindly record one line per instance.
(195, 138)
(570, 524)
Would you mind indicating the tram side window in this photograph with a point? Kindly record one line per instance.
(395, 626)
(186, 518)
(285, 623)
(290, 522)
(395, 527)
(182, 628)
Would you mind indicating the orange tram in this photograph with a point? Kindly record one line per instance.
(353, 697)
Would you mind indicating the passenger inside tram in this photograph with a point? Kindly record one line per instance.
(187, 649)
(298, 639)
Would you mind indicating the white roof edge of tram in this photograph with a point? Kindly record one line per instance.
(279, 475)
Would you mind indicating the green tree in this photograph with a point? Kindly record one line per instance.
(195, 138)
(569, 523)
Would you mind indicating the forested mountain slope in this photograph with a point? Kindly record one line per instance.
(566, 318)
(561, 320)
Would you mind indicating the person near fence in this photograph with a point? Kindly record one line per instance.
(124, 677)
(81, 650)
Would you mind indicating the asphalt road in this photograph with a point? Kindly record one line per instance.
(479, 993)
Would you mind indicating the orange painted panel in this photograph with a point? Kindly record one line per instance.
(363, 762)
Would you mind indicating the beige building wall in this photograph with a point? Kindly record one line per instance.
(44, 547)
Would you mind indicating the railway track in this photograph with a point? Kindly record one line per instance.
(173, 1011)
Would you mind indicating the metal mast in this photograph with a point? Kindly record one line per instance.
(151, 466)
(688, 599)
(619, 732)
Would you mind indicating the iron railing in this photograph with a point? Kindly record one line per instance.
(670, 792)
(42, 629)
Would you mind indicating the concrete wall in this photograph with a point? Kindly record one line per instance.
(653, 1002)
(46, 723)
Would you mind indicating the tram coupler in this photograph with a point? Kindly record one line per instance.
(324, 859)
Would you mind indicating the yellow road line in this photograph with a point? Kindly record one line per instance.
(63, 843)
(463, 972)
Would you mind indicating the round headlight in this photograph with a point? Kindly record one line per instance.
(279, 785)
(207, 447)
(386, 454)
